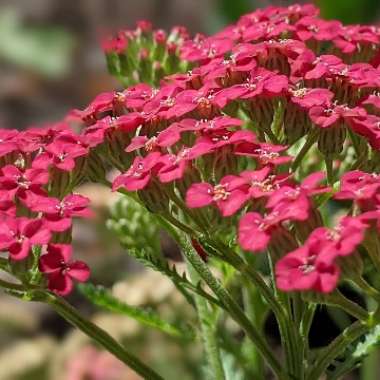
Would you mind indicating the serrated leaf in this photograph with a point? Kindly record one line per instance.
(135, 227)
(181, 282)
(371, 341)
(104, 299)
(355, 354)
(231, 370)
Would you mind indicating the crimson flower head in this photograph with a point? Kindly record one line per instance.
(139, 174)
(341, 240)
(60, 271)
(19, 235)
(310, 97)
(264, 153)
(307, 269)
(360, 187)
(58, 213)
(296, 199)
(229, 195)
(262, 182)
(260, 82)
(173, 166)
(61, 154)
(329, 114)
(255, 230)
(17, 182)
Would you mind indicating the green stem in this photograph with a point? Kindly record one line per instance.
(329, 170)
(208, 331)
(370, 367)
(257, 312)
(11, 286)
(233, 308)
(305, 325)
(335, 348)
(312, 138)
(232, 258)
(100, 336)
(339, 300)
(367, 288)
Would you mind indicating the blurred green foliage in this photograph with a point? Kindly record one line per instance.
(45, 50)
(350, 11)
(347, 11)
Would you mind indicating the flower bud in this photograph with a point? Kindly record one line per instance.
(331, 140)
(154, 198)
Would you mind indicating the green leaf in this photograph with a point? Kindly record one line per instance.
(231, 369)
(44, 50)
(355, 354)
(135, 227)
(371, 341)
(104, 299)
(181, 281)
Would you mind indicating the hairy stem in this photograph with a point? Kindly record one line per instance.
(69, 313)
(208, 331)
(335, 348)
(231, 306)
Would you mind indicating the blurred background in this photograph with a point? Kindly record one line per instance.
(50, 62)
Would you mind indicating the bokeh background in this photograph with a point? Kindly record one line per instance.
(51, 62)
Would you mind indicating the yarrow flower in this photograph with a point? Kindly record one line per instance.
(60, 271)
(246, 121)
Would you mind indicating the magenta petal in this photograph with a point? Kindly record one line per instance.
(50, 263)
(79, 271)
(19, 251)
(64, 251)
(60, 284)
(251, 237)
(233, 203)
(43, 236)
(199, 195)
(136, 143)
(56, 223)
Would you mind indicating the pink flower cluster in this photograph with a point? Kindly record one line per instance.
(39, 168)
(210, 147)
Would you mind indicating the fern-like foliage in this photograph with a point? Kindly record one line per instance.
(101, 297)
(180, 280)
(135, 227)
(355, 354)
(138, 231)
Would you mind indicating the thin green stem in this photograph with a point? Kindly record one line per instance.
(100, 336)
(312, 138)
(256, 310)
(305, 325)
(335, 348)
(233, 308)
(69, 313)
(11, 286)
(330, 170)
(208, 332)
(339, 300)
(367, 288)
